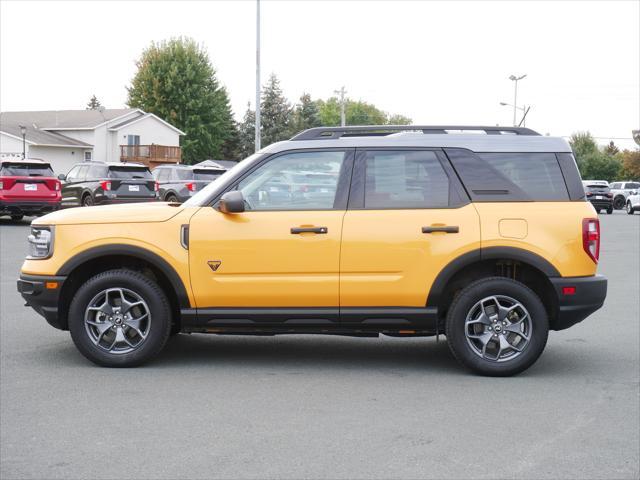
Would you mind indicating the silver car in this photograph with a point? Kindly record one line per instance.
(621, 191)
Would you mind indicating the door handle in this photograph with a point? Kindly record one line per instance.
(453, 229)
(299, 230)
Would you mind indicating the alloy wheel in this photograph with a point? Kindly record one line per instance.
(498, 328)
(117, 320)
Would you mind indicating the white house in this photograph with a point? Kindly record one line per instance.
(66, 137)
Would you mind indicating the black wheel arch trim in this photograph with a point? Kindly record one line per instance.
(130, 251)
(509, 253)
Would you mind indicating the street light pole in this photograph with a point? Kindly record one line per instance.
(341, 92)
(23, 131)
(515, 95)
(257, 137)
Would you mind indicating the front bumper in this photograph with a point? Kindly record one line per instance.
(38, 293)
(589, 296)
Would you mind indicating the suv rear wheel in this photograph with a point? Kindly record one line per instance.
(119, 318)
(497, 327)
(618, 202)
(87, 200)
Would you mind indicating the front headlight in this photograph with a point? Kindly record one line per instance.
(40, 243)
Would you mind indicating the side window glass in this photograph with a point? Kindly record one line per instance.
(82, 173)
(294, 181)
(73, 174)
(405, 179)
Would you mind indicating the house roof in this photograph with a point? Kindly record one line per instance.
(65, 119)
(132, 120)
(34, 136)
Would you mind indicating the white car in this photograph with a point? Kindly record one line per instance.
(620, 191)
(633, 202)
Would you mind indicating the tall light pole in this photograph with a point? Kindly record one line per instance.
(515, 95)
(341, 92)
(257, 138)
(23, 131)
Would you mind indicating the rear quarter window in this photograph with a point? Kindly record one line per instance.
(509, 177)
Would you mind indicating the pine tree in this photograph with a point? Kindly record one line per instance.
(611, 149)
(276, 113)
(94, 103)
(246, 133)
(306, 114)
(176, 81)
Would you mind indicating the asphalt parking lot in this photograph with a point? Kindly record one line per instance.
(324, 407)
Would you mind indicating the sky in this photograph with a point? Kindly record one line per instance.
(435, 62)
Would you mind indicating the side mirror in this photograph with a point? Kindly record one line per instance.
(231, 202)
(62, 177)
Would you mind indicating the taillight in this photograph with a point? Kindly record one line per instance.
(1, 185)
(589, 194)
(7, 183)
(57, 187)
(191, 186)
(609, 195)
(156, 187)
(591, 238)
(106, 186)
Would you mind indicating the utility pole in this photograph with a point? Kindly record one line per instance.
(341, 92)
(257, 138)
(515, 95)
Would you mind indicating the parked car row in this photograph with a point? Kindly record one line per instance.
(614, 196)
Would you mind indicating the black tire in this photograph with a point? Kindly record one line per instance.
(17, 218)
(171, 198)
(629, 208)
(159, 325)
(618, 202)
(87, 200)
(464, 303)
(610, 210)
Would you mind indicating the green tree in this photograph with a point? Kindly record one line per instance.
(246, 134)
(611, 149)
(582, 144)
(599, 166)
(176, 81)
(275, 113)
(356, 113)
(94, 103)
(306, 114)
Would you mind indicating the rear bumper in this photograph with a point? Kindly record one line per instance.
(43, 300)
(589, 296)
(602, 203)
(27, 207)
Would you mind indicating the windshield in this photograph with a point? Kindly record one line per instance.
(215, 187)
(26, 170)
(130, 172)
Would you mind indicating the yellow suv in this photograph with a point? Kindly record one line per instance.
(481, 234)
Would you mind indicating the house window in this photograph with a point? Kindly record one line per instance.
(88, 155)
(133, 140)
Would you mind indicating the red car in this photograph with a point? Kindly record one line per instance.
(28, 187)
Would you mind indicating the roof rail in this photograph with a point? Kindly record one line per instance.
(329, 133)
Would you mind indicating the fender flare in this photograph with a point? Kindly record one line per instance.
(508, 253)
(130, 251)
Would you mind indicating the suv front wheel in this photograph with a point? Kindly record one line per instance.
(497, 327)
(119, 318)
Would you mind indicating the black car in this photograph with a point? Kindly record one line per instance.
(177, 183)
(101, 183)
(599, 195)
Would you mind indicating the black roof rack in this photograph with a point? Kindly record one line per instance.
(328, 133)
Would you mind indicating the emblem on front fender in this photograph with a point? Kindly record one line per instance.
(214, 264)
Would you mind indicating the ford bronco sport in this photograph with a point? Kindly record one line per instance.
(484, 237)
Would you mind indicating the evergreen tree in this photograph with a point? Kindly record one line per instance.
(306, 114)
(246, 134)
(94, 103)
(611, 149)
(176, 81)
(276, 113)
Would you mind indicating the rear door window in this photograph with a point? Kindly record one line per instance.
(182, 174)
(97, 172)
(404, 179)
(26, 170)
(495, 177)
(130, 172)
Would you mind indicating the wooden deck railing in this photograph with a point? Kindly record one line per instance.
(150, 155)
